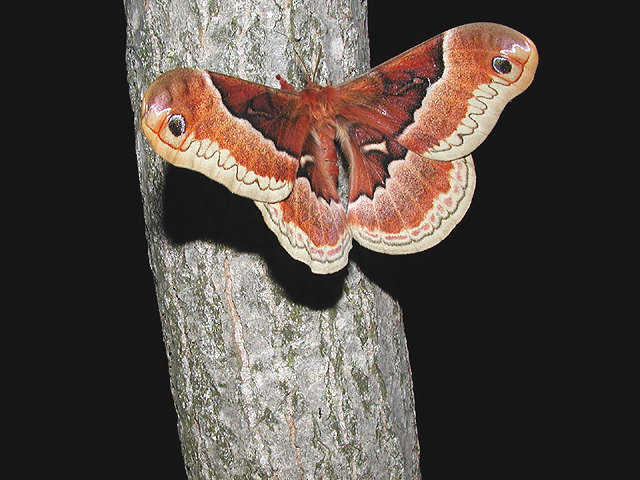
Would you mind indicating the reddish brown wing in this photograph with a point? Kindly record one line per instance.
(435, 102)
(207, 122)
(311, 229)
(442, 98)
(276, 114)
(399, 201)
(418, 206)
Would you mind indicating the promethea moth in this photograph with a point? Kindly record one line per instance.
(406, 128)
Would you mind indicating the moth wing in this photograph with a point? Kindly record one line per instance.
(309, 228)
(401, 202)
(411, 124)
(231, 130)
(441, 98)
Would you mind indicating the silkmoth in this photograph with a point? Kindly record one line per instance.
(406, 128)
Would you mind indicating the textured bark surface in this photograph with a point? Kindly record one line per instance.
(275, 372)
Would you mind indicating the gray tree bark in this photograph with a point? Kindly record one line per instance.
(275, 372)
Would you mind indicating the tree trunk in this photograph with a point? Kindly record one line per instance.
(275, 372)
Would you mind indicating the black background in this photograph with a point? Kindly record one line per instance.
(508, 320)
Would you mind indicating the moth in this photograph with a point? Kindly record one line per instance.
(405, 128)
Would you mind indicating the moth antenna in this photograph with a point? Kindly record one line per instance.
(315, 69)
(304, 65)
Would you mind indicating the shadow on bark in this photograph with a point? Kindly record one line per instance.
(197, 208)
